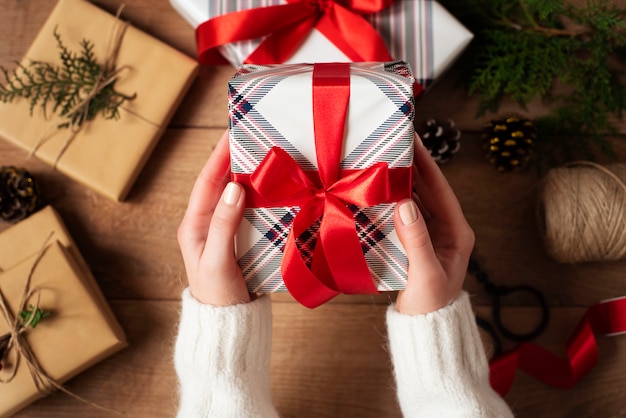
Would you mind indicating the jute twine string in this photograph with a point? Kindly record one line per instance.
(18, 346)
(582, 212)
(108, 68)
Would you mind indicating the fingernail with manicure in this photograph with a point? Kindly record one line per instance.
(408, 212)
(231, 193)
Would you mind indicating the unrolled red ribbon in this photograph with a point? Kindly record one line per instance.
(338, 263)
(286, 27)
(608, 317)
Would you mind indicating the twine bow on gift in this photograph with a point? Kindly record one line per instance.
(15, 343)
(286, 26)
(338, 263)
(108, 74)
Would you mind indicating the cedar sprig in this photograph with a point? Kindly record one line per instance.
(524, 50)
(62, 89)
(32, 316)
(29, 318)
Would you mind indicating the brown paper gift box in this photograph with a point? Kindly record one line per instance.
(106, 155)
(82, 329)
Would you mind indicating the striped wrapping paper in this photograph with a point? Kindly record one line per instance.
(420, 32)
(272, 106)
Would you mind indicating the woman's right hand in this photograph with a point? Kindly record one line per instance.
(207, 233)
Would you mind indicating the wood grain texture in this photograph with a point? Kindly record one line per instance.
(331, 361)
(340, 369)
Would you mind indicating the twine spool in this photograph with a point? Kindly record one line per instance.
(582, 212)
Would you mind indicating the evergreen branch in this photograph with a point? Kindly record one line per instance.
(66, 89)
(32, 316)
(528, 15)
(523, 49)
(573, 33)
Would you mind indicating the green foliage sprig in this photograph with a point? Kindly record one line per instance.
(525, 48)
(32, 316)
(67, 89)
(29, 318)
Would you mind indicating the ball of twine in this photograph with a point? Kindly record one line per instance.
(582, 212)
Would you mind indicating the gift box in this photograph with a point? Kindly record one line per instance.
(81, 330)
(420, 32)
(106, 155)
(297, 130)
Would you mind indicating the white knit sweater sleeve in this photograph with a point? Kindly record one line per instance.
(222, 359)
(440, 366)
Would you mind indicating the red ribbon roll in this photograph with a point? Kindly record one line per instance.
(286, 27)
(338, 263)
(608, 317)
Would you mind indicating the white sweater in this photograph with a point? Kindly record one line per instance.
(222, 360)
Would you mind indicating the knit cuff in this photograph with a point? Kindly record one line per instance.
(440, 365)
(222, 359)
(223, 340)
(445, 343)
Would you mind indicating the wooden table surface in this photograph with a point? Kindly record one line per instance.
(327, 362)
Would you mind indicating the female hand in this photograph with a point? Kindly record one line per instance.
(207, 231)
(436, 237)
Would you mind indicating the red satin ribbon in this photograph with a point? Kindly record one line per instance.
(286, 27)
(607, 317)
(338, 264)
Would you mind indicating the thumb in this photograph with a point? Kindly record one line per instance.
(426, 281)
(225, 222)
(413, 233)
(220, 281)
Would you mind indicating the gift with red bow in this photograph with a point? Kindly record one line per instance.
(324, 151)
(420, 32)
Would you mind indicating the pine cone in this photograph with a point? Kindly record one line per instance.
(509, 142)
(441, 138)
(19, 194)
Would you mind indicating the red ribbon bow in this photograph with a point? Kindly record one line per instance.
(608, 317)
(338, 264)
(288, 25)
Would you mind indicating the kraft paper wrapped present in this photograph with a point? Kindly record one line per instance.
(81, 330)
(106, 155)
(272, 109)
(420, 32)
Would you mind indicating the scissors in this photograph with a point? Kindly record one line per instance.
(497, 292)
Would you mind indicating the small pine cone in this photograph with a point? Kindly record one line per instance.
(19, 194)
(441, 138)
(509, 142)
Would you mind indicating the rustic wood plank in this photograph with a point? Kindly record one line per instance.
(133, 258)
(206, 106)
(130, 246)
(449, 99)
(327, 362)
(502, 209)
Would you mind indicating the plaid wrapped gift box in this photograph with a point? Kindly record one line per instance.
(272, 106)
(421, 32)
